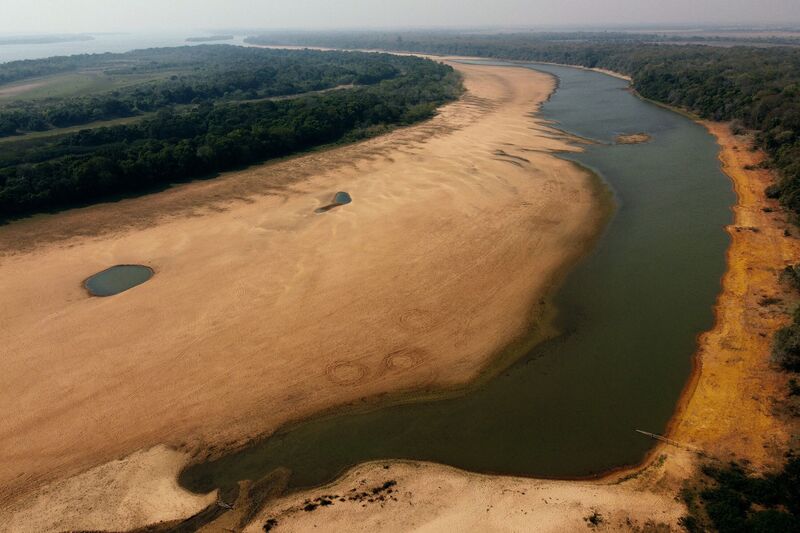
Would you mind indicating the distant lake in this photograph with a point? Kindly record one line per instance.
(102, 43)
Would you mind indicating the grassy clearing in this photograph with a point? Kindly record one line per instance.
(56, 132)
(71, 129)
(76, 84)
(197, 126)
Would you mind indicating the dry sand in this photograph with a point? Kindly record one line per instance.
(262, 312)
(725, 411)
(633, 138)
(729, 411)
(434, 498)
(139, 489)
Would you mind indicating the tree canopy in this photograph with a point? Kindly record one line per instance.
(216, 132)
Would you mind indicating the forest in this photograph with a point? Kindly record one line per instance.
(156, 78)
(729, 499)
(230, 120)
(758, 88)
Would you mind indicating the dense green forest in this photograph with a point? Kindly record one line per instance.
(216, 133)
(758, 88)
(182, 75)
(730, 500)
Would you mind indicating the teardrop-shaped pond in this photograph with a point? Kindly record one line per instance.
(340, 198)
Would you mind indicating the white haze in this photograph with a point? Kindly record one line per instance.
(70, 16)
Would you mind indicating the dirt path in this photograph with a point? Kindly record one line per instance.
(262, 312)
(13, 90)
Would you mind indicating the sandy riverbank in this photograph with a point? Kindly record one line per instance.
(262, 312)
(730, 411)
(727, 412)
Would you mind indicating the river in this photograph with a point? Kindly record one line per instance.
(629, 316)
(103, 43)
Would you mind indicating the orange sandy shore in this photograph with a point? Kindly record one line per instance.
(729, 409)
(727, 412)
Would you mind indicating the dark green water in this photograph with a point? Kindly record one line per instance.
(630, 314)
(117, 279)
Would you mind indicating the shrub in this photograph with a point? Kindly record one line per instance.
(737, 502)
(786, 345)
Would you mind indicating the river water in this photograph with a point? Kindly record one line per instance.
(629, 314)
(102, 43)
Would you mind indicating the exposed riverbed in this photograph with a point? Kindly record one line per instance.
(629, 315)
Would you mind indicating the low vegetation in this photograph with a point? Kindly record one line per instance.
(730, 500)
(378, 494)
(786, 343)
(218, 130)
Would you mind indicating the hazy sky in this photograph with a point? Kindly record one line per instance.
(20, 16)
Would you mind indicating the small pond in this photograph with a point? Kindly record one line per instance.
(117, 279)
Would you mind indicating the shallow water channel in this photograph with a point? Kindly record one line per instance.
(630, 314)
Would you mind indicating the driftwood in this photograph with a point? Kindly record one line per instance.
(672, 442)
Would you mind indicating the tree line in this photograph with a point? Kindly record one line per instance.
(185, 143)
(730, 500)
(184, 75)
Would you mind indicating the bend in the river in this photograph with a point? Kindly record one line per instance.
(629, 315)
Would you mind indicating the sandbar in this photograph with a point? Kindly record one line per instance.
(262, 313)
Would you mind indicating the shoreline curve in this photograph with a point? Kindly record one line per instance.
(499, 104)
